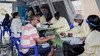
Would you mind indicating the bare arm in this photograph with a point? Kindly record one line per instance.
(39, 40)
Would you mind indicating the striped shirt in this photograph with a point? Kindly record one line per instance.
(29, 33)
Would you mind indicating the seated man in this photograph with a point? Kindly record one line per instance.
(81, 30)
(30, 37)
(60, 23)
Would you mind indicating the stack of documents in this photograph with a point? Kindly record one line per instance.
(72, 40)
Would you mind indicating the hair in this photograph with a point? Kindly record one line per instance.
(33, 17)
(6, 21)
(15, 14)
(7, 16)
(44, 6)
(31, 9)
(57, 14)
(94, 22)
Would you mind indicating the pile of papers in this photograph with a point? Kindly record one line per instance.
(72, 40)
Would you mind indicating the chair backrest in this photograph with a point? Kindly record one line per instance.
(16, 42)
(6, 30)
(0, 32)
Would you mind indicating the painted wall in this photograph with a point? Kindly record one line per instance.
(16, 4)
(90, 7)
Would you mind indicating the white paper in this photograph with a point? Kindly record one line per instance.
(73, 40)
(44, 45)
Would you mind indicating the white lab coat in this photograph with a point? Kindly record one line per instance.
(16, 27)
(53, 20)
(61, 24)
(42, 19)
(92, 44)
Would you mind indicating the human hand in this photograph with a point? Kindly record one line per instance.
(70, 34)
(52, 36)
(83, 39)
(63, 34)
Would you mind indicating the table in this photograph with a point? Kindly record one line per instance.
(52, 31)
(72, 40)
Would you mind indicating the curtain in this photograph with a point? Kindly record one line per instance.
(70, 9)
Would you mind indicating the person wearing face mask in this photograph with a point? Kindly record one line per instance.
(78, 35)
(81, 28)
(60, 23)
(16, 25)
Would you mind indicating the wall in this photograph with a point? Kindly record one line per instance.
(70, 10)
(90, 7)
(16, 4)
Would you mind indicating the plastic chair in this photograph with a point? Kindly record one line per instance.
(6, 29)
(0, 34)
(3, 30)
(15, 42)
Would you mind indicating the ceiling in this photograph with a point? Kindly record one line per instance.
(34, 0)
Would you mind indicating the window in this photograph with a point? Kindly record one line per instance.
(78, 6)
(5, 8)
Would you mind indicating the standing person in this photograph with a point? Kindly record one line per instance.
(81, 28)
(30, 37)
(6, 22)
(16, 25)
(92, 42)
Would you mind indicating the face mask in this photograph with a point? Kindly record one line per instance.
(75, 24)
